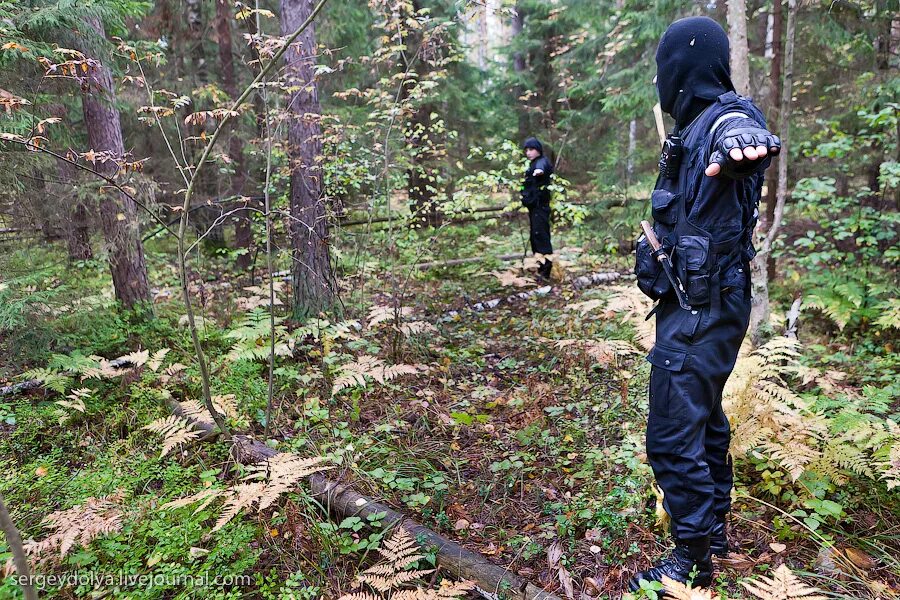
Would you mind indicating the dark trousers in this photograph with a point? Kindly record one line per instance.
(539, 228)
(687, 430)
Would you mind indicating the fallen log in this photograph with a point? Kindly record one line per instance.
(33, 384)
(579, 283)
(492, 581)
(23, 386)
(462, 261)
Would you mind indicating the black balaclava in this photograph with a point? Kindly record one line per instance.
(692, 68)
(533, 142)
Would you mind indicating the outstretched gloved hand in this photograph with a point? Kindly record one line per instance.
(740, 151)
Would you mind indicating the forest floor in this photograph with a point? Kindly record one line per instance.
(522, 438)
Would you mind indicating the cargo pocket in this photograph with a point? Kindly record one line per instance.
(651, 278)
(667, 362)
(664, 206)
(692, 254)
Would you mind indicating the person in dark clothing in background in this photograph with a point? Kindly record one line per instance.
(704, 208)
(536, 198)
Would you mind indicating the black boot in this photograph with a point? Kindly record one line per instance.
(679, 566)
(718, 538)
(544, 269)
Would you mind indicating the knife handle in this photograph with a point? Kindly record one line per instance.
(651, 236)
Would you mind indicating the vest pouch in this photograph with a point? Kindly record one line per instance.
(651, 278)
(692, 260)
(664, 206)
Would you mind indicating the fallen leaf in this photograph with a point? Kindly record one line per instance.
(860, 559)
(776, 547)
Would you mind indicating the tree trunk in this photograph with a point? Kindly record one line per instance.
(118, 213)
(773, 121)
(759, 310)
(740, 51)
(518, 27)
(77, 232)
(425, 209)
(243, 234)
(632, 148)
(311, 268)
(20, 560)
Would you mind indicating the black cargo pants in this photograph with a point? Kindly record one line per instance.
(539, 227)
(687, 430)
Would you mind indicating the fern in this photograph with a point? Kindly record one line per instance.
(400, 553)
(252, 337)
(381, 314)
(838, 439)
(278, 475)
(175, 431)
(79, 525)
(783, 585)
(76, 400)
(51, 379)
(679, 591)
(356, 373)
(282, 473)
(605, 352)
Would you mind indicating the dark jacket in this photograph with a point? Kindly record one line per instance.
(534, 189)
(722, 206)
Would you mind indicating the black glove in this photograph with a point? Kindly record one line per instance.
(740, 138)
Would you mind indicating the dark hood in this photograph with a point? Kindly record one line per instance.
(692, 67)
(533, 142)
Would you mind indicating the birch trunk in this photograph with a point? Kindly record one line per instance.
(740, 51)
(759, 310)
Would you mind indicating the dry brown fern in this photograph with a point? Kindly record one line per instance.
(79, 525)
(414, 328)
(282, 473)
(277, 475)
(370, 367)
(240, 496)
(775, 422)
(196, 411)
(605, 352)
(629, 303)
(679, 591)
(205, 497)
(381, 314)
(76, 399)
(399, 553)
(783, 585)
(175, 431)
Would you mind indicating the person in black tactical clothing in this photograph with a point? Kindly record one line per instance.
(704, 208)
(536, 198)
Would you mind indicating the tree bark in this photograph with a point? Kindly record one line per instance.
(518, 28)
(740, 51)
(243, 234)
(76, 228)
(773, 121)
(311, 269)
(20, 560)
(118, 213)
(759, 309)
